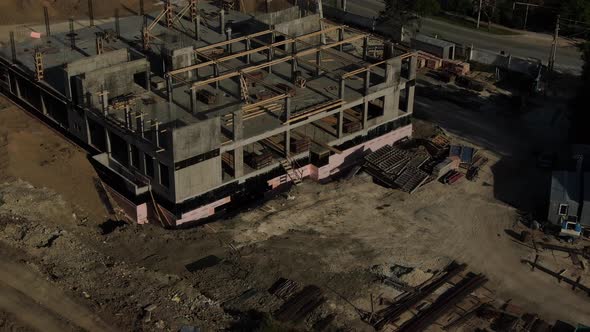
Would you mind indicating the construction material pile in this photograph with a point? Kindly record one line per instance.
(297, 306)
(259, 159)
(443, 292)
(300, 144)
(397, 168)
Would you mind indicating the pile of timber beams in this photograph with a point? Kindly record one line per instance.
(300, 305)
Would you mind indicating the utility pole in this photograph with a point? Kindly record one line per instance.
(479, 13)
(526, 15)
(551, 62)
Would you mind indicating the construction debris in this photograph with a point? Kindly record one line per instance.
(284, 288)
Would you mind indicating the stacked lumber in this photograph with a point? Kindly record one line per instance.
(288, 90)
(259, 159)
(206, 97)
(437, 145)
(300, 144)
(298, 307)
(429, 61)
(351, 126)
(284, 288)
(456, 67)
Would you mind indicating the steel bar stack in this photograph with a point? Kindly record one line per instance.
(398, 168)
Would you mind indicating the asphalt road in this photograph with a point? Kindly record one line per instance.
(531, 45)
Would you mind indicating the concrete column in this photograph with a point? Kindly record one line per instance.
(229, 47)
(287, 143)
(216, 74)
(342, 88)
(365, 113)
(140, 125)
(157, 133)
(318, 62)
(222, 20)
(341, 38)
(410, 91)
(169, 88)
(288, 132)
(341, 124)
(129, 154)
(271, 51)
(194, 101)
(367, 81)
(411, 84)
(248, 47)
(365, 48)
(18, 93)
(239, 162)
(43, 106)
(238, 128)
(198, 27)
(127, 116)
(392, 76)
(107, 140)
(148, 78)
(344, 5)
(287, 109)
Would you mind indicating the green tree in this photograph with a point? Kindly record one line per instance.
(426, 7)
(463, 7)
(579, 107)
(578, 10)
(397, 11)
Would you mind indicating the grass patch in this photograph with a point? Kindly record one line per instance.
(472, 25)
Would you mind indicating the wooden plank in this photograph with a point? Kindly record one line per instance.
(272, 63)
(319, 109)
(234, 40)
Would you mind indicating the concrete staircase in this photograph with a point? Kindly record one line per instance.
(291, 173)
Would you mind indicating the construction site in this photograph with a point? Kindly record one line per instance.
(199, 165)
(195, 108)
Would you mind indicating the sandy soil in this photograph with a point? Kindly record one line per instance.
(31, 11)
(342, 237)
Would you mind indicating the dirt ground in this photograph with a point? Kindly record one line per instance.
(31, 11)
(59, 245)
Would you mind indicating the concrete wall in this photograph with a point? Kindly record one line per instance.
(180, 58)
(522, 65)
(281, 16)
(445, 52)
(197, 179)
(195, 139)
(116, 79)
(96, 62)
(300, 26)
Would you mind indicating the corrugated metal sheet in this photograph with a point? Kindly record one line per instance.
(565, 189)
(585, 214)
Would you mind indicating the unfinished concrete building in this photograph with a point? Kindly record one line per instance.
(189, 111)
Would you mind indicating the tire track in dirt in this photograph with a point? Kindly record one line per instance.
(41, 304)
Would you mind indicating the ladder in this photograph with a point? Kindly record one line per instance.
(291, 173)
(39, 69)
(244, 89)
